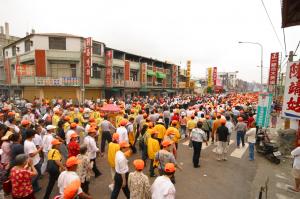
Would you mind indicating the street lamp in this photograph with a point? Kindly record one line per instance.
(261, 59)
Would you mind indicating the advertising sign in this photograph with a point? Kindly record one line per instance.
(87, 59)
(273, 68)
(143, 73)
(209, 77)
(24, 70)
(63, 81)
(263, 110)
(291, 102)
(108, 64)
(188, 73)
(215, 75)
(127, 70)
(174, 76)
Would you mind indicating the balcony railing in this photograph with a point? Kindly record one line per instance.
(132, 84)
(118, 83)
(96, 82)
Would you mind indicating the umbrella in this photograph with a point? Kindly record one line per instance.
(110, 108)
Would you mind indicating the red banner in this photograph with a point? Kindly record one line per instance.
(174, 76)
(87, 58)
(108, 64)
(127, 70)
(24, 70)
(273, 68)
(143, 73)
(215, 75)
(7, 70)
(165, 79)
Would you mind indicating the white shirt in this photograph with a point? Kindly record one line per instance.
(230, 126)
(29, 147)
(47, 139)
(123, 135)
(91, 146)
(68, 135)
(121, 163)
(251, 134)
(163, 188)
(296, 154)
(37, 140)
(65, 179)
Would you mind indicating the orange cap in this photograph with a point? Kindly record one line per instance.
(81, 110)
(145, 115)
(74, 135)
(166, 143)
(1, 114)
(5, 109)
(139, 164)
(170, 168)
(92, 130)
(207, 116)
(73, 125)
(124, 144)
(71, 161)
(67, 118)
(174, 122)
(25, 122)
(218, 115)
(11, 114)
(115, 136)
(92, 120)
(55, 142)
(150, 124)
(71, 190)
(123, 122)
(223, 121)
(72, 108)
(240, 119)
(56, 111)
(132, 111)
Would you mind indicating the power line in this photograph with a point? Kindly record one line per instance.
(271, 23)
(296, 48)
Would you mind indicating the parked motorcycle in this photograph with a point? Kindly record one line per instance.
(267, 148)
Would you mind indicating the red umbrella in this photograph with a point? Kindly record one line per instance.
(110, 108)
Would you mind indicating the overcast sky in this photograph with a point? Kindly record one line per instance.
(205, 31)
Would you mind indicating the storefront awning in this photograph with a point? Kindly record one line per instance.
(150, 73)
(170, 91)
(115, 90)
(144, 90)
(160, 75)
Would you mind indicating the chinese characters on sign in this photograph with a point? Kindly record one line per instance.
(24, 70)
(174, 76)
(188, 74)
(63, 81)
(273, 68)
(215, 75)
(108, 64)
(209, 77)
(291, 103)
(263, 110)
(127, 70)
(143, 73)
(87, 59)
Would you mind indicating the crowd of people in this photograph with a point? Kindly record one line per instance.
(64, 139)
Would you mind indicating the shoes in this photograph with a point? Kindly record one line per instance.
(111, 187)
(197, 166)
(96, 176)
(225, 159)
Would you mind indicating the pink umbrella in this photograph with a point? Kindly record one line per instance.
(110, 108)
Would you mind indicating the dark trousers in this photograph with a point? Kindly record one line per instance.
(144, 152)
(52, 179)
(85, 186)
(207, 134)
(106, 136)
(118, 186)
(95, 169)
(197, 151)
(167, 122)
(240, 136)
(151, 168)
(35, 179)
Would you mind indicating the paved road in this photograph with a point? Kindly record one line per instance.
(232, 179)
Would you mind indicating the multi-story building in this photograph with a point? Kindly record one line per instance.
(228, 80)
(53, 65)
(5, 39)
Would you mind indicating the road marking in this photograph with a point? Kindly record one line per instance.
(239, 152)
(186, 143)
(280, 196)
(281, 185)
(281, 177)
(230, 143)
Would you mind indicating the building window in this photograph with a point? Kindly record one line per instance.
(27, 45)
(96, 71)
(118, 74)
(58, 43)
(14, 50)
(96, 48)
(133, 75)
(73, 70)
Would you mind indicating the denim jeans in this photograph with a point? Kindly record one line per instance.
(35, 179)
(182, 130)
(240, 136)
(251, 151)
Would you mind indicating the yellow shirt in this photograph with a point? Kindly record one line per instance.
(175, 137)
(161, 129)
(54, 154)
(78, 116)
(191, 124)
(152, 147)
(55, 120)
(113, 148)
(66, 126)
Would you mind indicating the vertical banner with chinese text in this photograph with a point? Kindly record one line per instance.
(209, 77)
(215, 75)
(273, 70)
(174, 76)
(291, 102)
(7, 70)
(143, 74)
(188, 73)
(127, 70)
(165, 79)
(108, 64)
(263, 110)
(87, 59)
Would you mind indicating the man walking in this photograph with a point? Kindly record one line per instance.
(106, 127)
(222, 137)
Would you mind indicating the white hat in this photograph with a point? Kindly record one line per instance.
(160, 121)
(50, 127)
